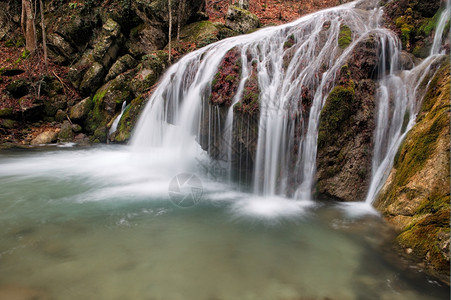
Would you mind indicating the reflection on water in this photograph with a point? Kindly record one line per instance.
(98, 224)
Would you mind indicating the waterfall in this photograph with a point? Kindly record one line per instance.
(398, 104)
(281, 63)
(113, 127)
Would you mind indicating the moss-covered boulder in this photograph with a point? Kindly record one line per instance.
(66, 134)
(416, 196)
(128, 120)
(148, 71)
(346, 128)
(241, 20)
(105, 104)
(415, 22)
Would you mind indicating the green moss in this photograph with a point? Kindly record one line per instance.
(431, 94)
(344, 37)
(336, 111)
(98, 97)
(230, 77)
(25, 54)
(430, 24)
(134, 32)
(404, 23)
(415, 153)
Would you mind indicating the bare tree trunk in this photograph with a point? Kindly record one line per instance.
(179, 19)
(170, 30)
(44, 37)
(30, 28)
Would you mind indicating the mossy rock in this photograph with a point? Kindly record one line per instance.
(128, 120)
(336, 111)
(241, 20)
(344, 37)
(416, 197)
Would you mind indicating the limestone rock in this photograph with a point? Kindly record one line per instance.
(123, 64)
(45, 137)
(66, 134)
(346, 128)
(80, 110)
(106, 47)
(241, 20)
(416, 198)
(59, 45)
(92, 79)
(146, 38)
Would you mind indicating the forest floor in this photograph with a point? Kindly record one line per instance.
(271, 11)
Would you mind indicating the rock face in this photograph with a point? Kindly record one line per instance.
(346, 129)
(241, 20)
(416, 196)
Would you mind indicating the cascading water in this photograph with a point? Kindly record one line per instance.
(283, 62)
(116, 121)
(399, 96)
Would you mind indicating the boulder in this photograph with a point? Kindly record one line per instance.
(123, 64)
(107, 45)
(346, 128)
(92, 79)
(241, 20)
(80, 110)
(53, 104)
(66, 134)
(145, 38)
(45, 137)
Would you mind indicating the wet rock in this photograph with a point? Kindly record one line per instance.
(128, 120)
(45, 137)
(66, 134)
(80, 110)
(107, 102)
(415, 197)
(241, 20)
(346, 128)
(407, 60)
